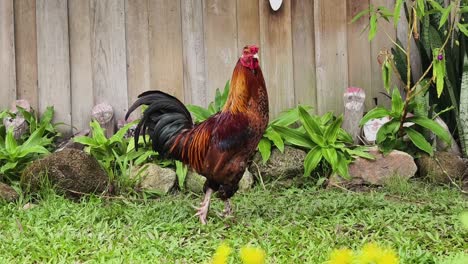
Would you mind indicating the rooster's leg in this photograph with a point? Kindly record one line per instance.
(227, 208)
(202, 211)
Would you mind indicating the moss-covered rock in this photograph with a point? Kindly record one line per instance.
(154, 178)
(443, 163)
(280, 166)
(70, 171)
(7, 193)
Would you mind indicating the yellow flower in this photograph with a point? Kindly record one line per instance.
(388, 257)
(221, 255)
(370, 253)
(341, 256)
(252, 255)
(374, 254)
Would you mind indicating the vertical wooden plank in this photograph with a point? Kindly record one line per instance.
(248, 23)
(380, 42)
(219, 19)
(138, 69)
(7, 54)
(304, 52)
(81, 74)
(26, 51)
(109, 55)
(331, 54)
(165, 38)
(359, 50)
(402, 31)
(194, 52)
(276, 55)
(53, 59)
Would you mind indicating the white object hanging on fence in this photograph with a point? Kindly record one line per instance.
(276, 4)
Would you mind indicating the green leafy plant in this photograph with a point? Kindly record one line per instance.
(325, 141)
(200, 114)
(273, 138)
(117, 154)
(109, 150)
(394, 134)
(15, 154)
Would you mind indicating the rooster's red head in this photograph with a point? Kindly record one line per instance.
(249, 57)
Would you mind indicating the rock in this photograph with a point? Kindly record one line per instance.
(378, 171)
(285, 165)
(449, 162)
(7, 193)
(70, 171)
(194, 182)
(155, 178)
(246, 181)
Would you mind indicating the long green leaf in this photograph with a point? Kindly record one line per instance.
(386, 75)
(311, 160)
(419, 140)
(264, 147)
(181, 172)
(373, 26)
(396, 12)
(275, 138)
(98, 132)
(199, 112)
(119, 135)
(294, 137)
(331, 133)
(87, 141)
(390, 127)
(432, 126)
(359, 15)
(397, 103)
(312, 127)
(331, 157)
(377, 112)
(445, 15)
(342, 166)
(10, 142)
(23, 152)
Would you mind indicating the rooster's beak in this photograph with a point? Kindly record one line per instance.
(256, 56)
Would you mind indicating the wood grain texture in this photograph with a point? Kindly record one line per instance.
(54, 59)
(304, 52)
(381, 42)
(165, 38)
(331, 54)
(7, 54)
(276, 55)
(138, 51)
(359, 59)
(26, 51)
(81, 74)
(193, 52)
(220, 27)
(109, 54)
(248, 23)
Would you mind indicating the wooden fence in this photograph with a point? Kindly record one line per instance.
(77, 53)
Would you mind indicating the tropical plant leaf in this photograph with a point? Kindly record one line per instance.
(419, 140)
(396, 12)
(331, 133)
(331, 157)
(275, 138)
(445, 15)
(397, 103)
(199, 112)
(264, 147)
(294, 137)
(432, 126)
(377, 112)
(311, 160)
(181, 172)
(373, 26)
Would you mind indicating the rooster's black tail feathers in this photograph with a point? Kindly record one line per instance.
(163, 120)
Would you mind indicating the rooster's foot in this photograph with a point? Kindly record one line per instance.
(202, 211)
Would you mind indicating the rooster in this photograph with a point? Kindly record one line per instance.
(220, 147)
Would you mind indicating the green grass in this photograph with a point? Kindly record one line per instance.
(300, 224)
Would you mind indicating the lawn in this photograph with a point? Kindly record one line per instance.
(300, 224)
